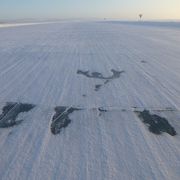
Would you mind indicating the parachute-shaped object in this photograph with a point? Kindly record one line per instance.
(140, 16)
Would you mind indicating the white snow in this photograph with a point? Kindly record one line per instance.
(38, 65)
(14, 24)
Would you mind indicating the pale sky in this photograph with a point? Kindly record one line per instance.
(121, 9)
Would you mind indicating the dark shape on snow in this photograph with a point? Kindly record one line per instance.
(97, 75)
(11, 112)
(61, 118)
(144, 61)
(102, 110)
(155, 123)
(97, 87)
(105, 82)
(166, 109)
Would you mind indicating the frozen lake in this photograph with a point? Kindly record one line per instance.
(90, 100)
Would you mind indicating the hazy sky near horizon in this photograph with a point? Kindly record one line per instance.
(121, 9)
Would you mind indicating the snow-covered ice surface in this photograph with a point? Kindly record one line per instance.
(15, 24)
(108, 72)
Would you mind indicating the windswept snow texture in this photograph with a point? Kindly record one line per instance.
(105, 139)
(11, 112)
(156, 124)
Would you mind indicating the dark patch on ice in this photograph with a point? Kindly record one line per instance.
(84, 95)
(105, 82)
(155, 123)
(61, 118)
(135, 107)
(169, 109)
(10, 113)
(166, 109)
(10, 133)
(102, 110)
(97, 87)
(97, 75)
(123, 110)
(144, 61)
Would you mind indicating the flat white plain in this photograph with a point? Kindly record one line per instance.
(39, 64)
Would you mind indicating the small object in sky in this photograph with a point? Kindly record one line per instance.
(140, 16)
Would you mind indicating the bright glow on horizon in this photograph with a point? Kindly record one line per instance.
(121, 9)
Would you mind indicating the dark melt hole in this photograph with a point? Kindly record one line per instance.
(102, 110)
(11, 112)
(97, 75)
(156, 124)
(105, 82)
(61, 118)
(97, 87)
